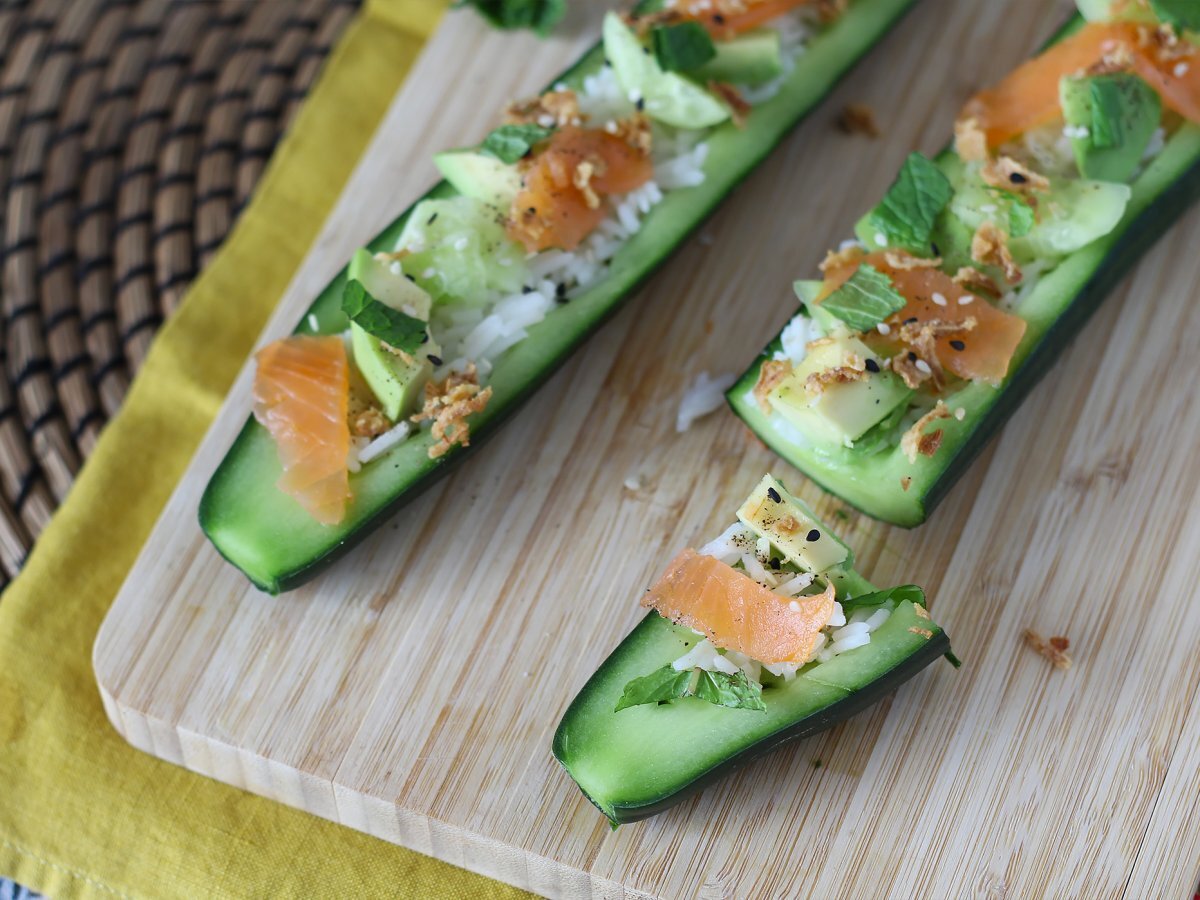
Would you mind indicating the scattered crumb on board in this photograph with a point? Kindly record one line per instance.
(1054, 649)
(858, 118)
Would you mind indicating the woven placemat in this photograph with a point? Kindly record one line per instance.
(132, 132)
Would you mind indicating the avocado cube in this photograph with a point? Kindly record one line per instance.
(789, 524)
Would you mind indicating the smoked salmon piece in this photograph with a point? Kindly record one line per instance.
(725, 20)
(562, 200)
(302, 397)
(983, 353)
(737, 613)
(1028, 96)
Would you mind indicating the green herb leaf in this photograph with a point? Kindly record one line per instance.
(682, 47)
(664, 685)
(1180, 13)
(397, 329)
(539, 15)
(509, 143)
(897, 595)
(865, 299)
(906, 215)
(1020, 213)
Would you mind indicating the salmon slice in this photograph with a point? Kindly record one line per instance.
(1028, 96)
(984, 353)
(561, 201)
(302, 397)
(742, 17)
(737, 613)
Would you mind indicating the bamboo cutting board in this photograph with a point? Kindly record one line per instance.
(412, 691)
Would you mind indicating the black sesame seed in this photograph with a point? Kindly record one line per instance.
(774, 495)
(641, 104)
(561, 290)
(436, 360)
(909, 320)
(1017, 178)
(776, 562)
(814, 535)
(410, 278)
(912, 357)
(872, 366)
(958, 345)
(718, 18)
(424, 336)
(527, 289)
(936, 251)
(431, 219)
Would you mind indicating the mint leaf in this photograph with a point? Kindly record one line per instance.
(665, 684)
(897, 595)
(1020, 213)
(683, 47)
(865, 300)
(397, 329)
(1180, 13)
(509, 143)
(908, 210)
(539, 15)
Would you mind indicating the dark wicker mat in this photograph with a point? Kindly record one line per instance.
(132, 132)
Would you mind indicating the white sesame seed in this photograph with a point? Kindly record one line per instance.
(939, 299)
(429, 273)
(988, 208)
(883, 328)
(461, 244)
(880, 239)
(313, 322)
(610, 126)
(965, 299)
(635, 96)
(546, 121)
(923, 366)
(960, 414)
(560, 87)
(794, 606)
(396, 268)
(1180, 70)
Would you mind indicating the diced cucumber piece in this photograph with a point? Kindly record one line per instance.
(387, 286)
(750, 59)
(461, 251)
(842, 412)
(481, 176)
(1070, 215)
(668, 97)
(789, 524)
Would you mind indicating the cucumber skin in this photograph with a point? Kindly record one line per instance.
(930, 484)
(244, 535)
(821, 720)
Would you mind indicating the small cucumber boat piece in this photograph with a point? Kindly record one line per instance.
(970, 277)
(469, 300)
(685, 700)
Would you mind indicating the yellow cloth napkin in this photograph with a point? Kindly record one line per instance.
(82, 814)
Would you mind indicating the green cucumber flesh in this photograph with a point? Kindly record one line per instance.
(642, 760)
(884, 484)
(266, 533)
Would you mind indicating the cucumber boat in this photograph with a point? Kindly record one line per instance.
(466, 303)
(765, 635)
(966, 282)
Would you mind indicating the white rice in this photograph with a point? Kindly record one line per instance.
(704, 396)
(384, 442)
(796, 336)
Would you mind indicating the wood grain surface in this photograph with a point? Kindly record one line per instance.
(412, 691)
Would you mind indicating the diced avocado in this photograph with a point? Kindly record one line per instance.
(1109, 10)
(667, 96)
(750, 59)
(1070, 215)
(843, 411)
(480, 176)
(1112, 118)
(460, 250)
(790, 525)
(388, 287)
(395, 383)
